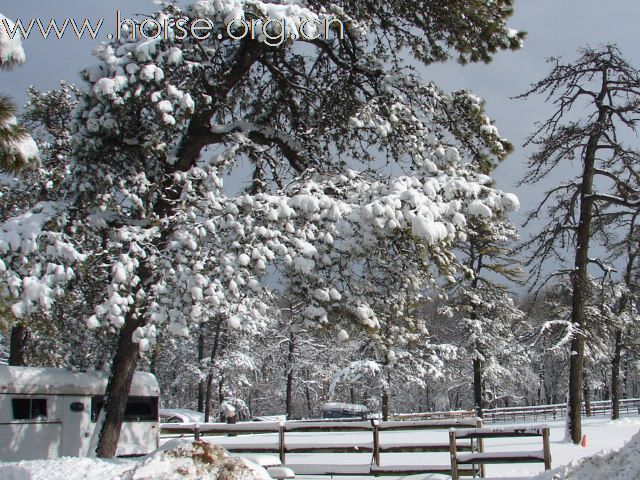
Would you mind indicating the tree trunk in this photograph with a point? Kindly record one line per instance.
(153, 362)
(385, 404)
(214, 352)
(579, 277)
(575, 384)
(289, 387)
(208, 396)
(201, 383)
(126, 355)
(289, 396)
(307, 392)
(615, 377)
(477, 385)
(117, 392)
(478, 394)
(221, 389)
(625, 376)
(587, 394)
(427, 401)
(606, 389)
(386, 393)
(18, 345)
(540, 384)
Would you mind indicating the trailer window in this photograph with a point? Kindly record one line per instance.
(96, 406)
(141, 410)
(29, 408)
(138, 409)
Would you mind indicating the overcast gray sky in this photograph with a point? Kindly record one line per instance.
(556, 27)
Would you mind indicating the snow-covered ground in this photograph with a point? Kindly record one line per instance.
(65, 468)
(602, 434)
(177, 460)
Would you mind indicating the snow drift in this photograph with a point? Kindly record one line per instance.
(623, 464)
(177, 460)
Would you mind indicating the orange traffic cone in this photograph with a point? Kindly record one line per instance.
(584, 441)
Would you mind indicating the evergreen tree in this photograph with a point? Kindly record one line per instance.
(625, 296)
(17, 148)
(490, 322)
(161, 122)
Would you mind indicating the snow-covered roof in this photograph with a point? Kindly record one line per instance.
(184, 414)
(60, 381)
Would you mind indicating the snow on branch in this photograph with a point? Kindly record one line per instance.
(11, 52)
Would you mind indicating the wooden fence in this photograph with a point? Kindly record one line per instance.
(481, 457)
(377, 445)
(525, 414)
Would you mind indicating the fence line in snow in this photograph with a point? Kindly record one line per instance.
(507, 414)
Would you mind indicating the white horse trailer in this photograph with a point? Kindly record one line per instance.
(52, 412)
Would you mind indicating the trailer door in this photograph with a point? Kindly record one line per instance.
(76, 426)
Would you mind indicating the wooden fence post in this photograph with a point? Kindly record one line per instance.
(281, 445)
(453, 452)
(546, 448)
(196, 432)
(480, 440)
(376, 442)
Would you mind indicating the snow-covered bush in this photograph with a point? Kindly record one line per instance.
(195, 461)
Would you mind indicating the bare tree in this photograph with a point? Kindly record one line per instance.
(597, 103)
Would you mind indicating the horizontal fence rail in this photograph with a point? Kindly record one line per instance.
(530, 413)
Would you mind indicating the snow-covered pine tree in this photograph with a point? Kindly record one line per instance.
(17, 148)
(310, 124)
(47, 115)
(489, 320)
(291, 347)
(626, 244)
(400, 377)
(297, 363)
(548, 312)
(397, 348)
(553, 330)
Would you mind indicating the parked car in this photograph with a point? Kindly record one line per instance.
(345, 410)
(180, 415)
